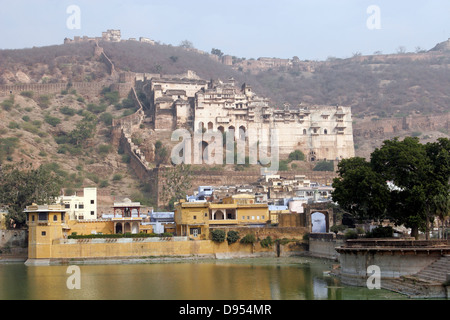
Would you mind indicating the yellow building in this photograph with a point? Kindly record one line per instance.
(191, 219)
(45, 223)
(194, 219)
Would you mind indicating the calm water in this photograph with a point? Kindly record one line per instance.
(293, 278)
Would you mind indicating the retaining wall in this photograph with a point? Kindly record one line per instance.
(323, 245)
(64, 251)
(395, 258)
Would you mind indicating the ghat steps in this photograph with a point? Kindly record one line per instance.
(427, 283)
(437, 271)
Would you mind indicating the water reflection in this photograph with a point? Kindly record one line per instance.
(291, 278)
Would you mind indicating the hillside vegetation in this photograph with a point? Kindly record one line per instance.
(43, 128)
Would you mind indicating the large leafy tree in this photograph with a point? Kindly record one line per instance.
(360, 190)
(404, 181)
(21, 185)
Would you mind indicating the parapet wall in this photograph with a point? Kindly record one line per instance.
(382, 127)
(85, 88)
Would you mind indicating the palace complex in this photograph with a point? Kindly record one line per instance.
(320, 132)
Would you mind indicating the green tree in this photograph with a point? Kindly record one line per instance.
(297, 155)
(419, 173)
(218, 235)
(21, 186)
(217, 52)
(403, 182)
(359, 190)
(84, 130)
(232, 236)
(248, 239)
(186, 44)
(161, 153)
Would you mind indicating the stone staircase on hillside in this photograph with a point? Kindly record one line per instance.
(427, 283)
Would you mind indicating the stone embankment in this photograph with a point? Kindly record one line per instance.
(415, 268)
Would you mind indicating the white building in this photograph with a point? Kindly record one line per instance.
(81, 207)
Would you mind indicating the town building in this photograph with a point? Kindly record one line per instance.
(194, 219)
(162, 222)
(81, 205)
(45, 224)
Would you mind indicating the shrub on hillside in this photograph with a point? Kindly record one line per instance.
(296, 155)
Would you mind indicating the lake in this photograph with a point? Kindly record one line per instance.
(289, 278)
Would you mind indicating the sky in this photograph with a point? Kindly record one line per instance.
(308, 29)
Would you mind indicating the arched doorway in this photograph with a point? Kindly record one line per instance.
(204, 146)
(242, 132)
(210, 126)
(119, 228)
(218, 215)
(135, 228)
(318, 222)
(127, 227)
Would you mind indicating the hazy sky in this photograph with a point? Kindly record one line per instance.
(309, 29)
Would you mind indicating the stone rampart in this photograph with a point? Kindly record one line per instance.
(85, 88)
(383, 127)
(10, 240)
(108, 62)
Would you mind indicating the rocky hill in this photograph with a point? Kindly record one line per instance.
(390, 95)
